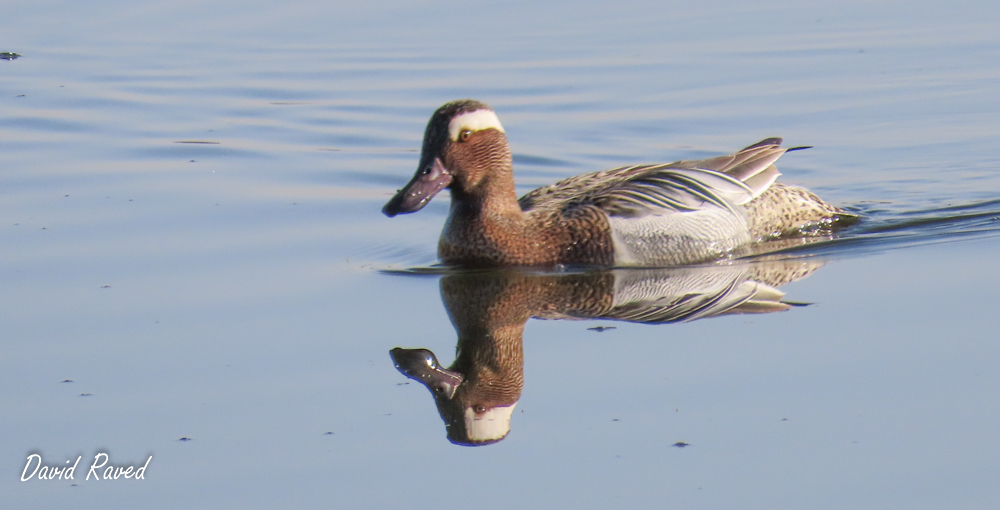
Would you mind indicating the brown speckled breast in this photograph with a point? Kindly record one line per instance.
(578, 236)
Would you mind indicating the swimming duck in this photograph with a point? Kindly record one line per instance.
(644, 215)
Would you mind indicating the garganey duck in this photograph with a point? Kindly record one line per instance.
(644, 215)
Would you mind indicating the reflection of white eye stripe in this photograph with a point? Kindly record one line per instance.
(493, 424)
(473, 121)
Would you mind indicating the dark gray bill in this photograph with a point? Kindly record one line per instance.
(421, 365)
(429, 180)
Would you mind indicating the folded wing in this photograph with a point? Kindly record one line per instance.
(720, 182)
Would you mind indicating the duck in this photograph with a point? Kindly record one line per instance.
(648, 215)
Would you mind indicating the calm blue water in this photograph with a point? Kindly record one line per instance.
(240, 291)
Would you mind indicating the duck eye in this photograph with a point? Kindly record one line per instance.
(479, 409)
(464, 135)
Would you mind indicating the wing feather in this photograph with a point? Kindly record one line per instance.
(723, 182)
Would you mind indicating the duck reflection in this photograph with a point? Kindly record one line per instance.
(476, 395)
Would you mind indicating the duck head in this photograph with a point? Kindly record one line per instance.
(464, 147)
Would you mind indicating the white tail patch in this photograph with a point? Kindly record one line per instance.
(473, 121)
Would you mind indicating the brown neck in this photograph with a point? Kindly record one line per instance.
(492, 194)
(489, 315)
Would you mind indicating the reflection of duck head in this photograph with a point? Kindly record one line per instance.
(475, 413)
(476, 395)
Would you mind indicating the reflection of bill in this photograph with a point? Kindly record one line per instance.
(476, 395)
(100, 469)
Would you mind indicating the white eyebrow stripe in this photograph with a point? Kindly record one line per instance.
(473, 121)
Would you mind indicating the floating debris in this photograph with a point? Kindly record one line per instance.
(680, 444)
(86, 394)
(8, 56)
(197, 141)
(66, 380)
(185, 439)
(600, 329)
